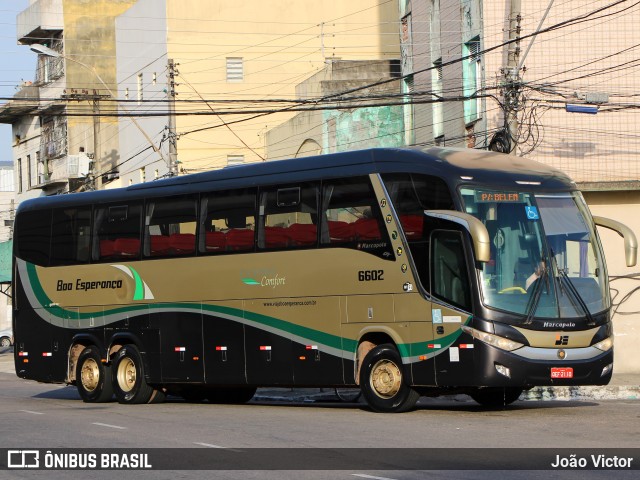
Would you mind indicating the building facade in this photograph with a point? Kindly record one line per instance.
(371, 117)
(585, 54)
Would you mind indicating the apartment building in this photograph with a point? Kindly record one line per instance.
(584, 58)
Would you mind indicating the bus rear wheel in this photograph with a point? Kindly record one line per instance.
(129, 384)
(495, 397)
(382, 381)
(93, 378)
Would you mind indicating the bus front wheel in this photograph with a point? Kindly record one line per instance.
(383, 383)
(129, 384)
(495, 397)
(93, 377)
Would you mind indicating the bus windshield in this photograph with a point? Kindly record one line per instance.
(545, 256)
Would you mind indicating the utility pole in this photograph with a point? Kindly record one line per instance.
(511, 96)
(97, 181)
(173, 138)
(97, 164)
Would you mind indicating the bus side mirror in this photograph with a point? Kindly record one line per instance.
(477, 230)
(630, 240)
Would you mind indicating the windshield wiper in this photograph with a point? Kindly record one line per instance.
(532, 304)
(574, 296)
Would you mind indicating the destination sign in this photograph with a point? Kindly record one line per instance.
(498, 197)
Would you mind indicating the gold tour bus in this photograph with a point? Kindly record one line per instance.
(402, 272)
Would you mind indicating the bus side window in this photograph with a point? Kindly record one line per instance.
(289, 217)
(70, 236)
(411, 194)
(117, 232)
(170, 226)
(449, 275)
(33, 236)
(352, 217)
(227, 221)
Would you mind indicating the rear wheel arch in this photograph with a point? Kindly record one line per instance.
(78, 344)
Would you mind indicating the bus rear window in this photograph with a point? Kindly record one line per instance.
(33, 236)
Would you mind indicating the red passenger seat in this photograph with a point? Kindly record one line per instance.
(127, 247)
(159, 245)
(367, 229)
(303, 234)
(107, 248)
(275, 237)
(240, 239)
(182, 243)
(341, 232)
(412, 226)
(215, 241)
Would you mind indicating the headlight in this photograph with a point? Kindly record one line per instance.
(493, 340)
(605, 345)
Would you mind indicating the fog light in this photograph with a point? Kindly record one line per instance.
(502, 370)
(606, 369)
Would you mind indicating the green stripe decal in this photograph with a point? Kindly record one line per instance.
(138, 294)
(406, 350)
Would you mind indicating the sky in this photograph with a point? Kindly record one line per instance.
(18, 64)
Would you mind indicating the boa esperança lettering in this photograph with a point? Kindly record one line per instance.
(85, 286)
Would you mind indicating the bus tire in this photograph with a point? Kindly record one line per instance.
(382, 381)
(129, 384)
(93, 378)
(495, 397)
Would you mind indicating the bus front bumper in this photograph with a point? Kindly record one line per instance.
(529, 366)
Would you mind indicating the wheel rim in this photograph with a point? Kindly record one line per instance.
(385, 379)
(5, 342)
(90, 375)
(126, 374)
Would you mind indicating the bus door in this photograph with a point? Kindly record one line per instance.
(223, 344)
(267, 344)
(180, 344)
(451, 291)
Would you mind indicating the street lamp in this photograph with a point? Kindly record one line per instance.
(43, 50)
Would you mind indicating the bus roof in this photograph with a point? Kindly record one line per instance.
(456, 166)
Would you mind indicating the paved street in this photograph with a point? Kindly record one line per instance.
(48, 416)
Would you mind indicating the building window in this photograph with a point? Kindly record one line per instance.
(19, 175)
(6, 180)
(140, 89)
(143, 175)
(53, 140)
(29, 183)
(437, 110)
(235, 69)
(50, 68)
(472, 79)
(235, 160)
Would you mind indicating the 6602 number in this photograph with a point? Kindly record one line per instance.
(370, 275)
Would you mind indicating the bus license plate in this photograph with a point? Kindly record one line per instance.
(564, 372)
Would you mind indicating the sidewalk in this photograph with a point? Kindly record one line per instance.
(622, 387)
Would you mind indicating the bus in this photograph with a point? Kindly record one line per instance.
(400, 272)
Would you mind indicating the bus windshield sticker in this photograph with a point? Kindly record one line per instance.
(532, 212)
